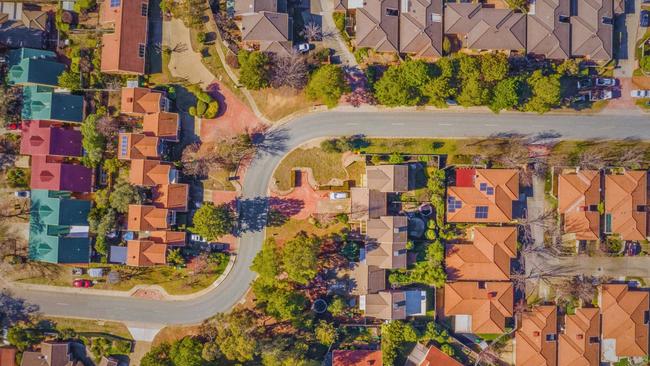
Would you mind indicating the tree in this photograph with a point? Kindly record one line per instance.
(337, 307)
(124, 195)
(312, 32)
(92, 141)
(569, 67)
(546, 92)
(108, 127)
(254, 69)
(394, 336)
(300, 258)
(236, 334)
(447, 349)
(403, 84)
(186, 352)
(18, 178)
(213, 222)
(286, 358)
(11, 104)
(326, 333)
(267, 263)
(327, 85)
(70, 80)
(158, 356)
(518, 4)
(290, 70)
(469, 67)
(494, 67)
(473, 92)
(175, 258)
(278, 299)
(23, 338)
(439, 90)
(505, 95)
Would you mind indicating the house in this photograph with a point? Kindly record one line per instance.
(35, 18)
(145, 253)
(386, 242)
(149, 218)
(8, 356)
(479, 307)
(483, 195)
(625, 316)
(486, 257)
(246, 7)
(171, 238)
(51, 173)
(143, 101)
(483, 28)
(367, 204)
(536, 339)
(549, 29)
(578, 199)
(42, 103)
(370, 201)
(164, 125)
(150, 173)
(626, 204)
(592, 29)
(50, 354)
(44, 138)
(58, 227)
(394, 304)
(387, 178)
(422, 355)
(268, 31)
(368, 279)
(171, 196)
(124, 50)
(356, 358)
(579, 343)
(139, 146)
(31, 67)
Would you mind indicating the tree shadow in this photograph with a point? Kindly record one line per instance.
(271, 142)
(15, 309)
(215, 92)
(257, 213)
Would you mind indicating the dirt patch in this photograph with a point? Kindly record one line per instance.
(173, 333)
(643, 82)
(278, 103)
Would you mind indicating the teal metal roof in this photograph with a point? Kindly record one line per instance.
(28, 66)
(42, 103)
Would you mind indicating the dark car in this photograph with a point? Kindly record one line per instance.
(644, 20)
(82, 283)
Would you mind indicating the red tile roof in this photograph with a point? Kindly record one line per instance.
(120, 49)
(577, 194)
(536, 339)
(52, 174)
(141, 101)
(489, 306)
(435, 357)
(45, 138)
(138, 146)
(171, 196)
(164, 125)
(147, 218)
(501, 188)
(623, 317)
(624, 194)
(576, 346)
(175, 238)
(7, 356)
(149, 172)
(356, 358)
(144, 253)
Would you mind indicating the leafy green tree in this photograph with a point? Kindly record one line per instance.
(23, 338)
(327, 84)
(213, 222)
(518, 4)
(124, 195)
(396, 158)
(284, 358)
(158, 356)
(546, 92)
(326, 333)
(473, 92)
(237, 335)
(439, 90)
(82, 6)
(394, 337)
(92, 141)
(403, 84)
(505, 94)
(175, 258)
(267, 263)
(448, 349)
(645, 63)
(469, 67)
(337, 307)
(70, 80)
(569, 67)
(447, 67)
(494, 67)
(300, 258)
(186, 352)
(18, 178)
(279, 300)
(211, 352)
(254, 69)
(435, 333)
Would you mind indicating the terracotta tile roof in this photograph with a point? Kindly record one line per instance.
(367, 204)
(120, 49)
(576, 347)
(388, 178)
(356, 358)
(386, 242)
(175, 238)
(141, 101)
(138, 146)
(7, 356)
(368, 279)
(144, 253)
(51, 174)
(493, 204)
(171, 196)
(623, 317)
(578, 198)
(624, 193)
(430, 356)
(147, 218)
(45, 138)
(536, 339)
(489, 306)
(164, 125)
(150, 172)
(387, 305)
(486, 258)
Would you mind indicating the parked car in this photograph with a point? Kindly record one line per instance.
(585, 83)
(338, 195)
(80, 282)
(640, 93)
(303, 47)
(14, 126)
(605, 82)
(644, 18)
(22, 194)
(580, 98)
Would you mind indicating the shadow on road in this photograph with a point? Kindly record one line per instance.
(257, 213)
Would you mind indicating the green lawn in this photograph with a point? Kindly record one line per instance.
(412, 146)
(325, 166)
(91, 326)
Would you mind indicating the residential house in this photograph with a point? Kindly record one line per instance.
(625, 316)
(265, 25)
(387, 178)
(171, 238)
(8, 356)
(579, 195)
(149, 218)
(43, 103)
(367, 279)
(536, 338)
(31, 67)
(579, 343)
(549, 29)
(143, 101)
(487, 257)
(626, 204)
(386, 242)
(479, 307)
(367, 204)
(108, 361)
(483, 28)
(51, 173)
(422, 355)
(164, 125)
(50, 354)
(247, 7)
(171, 196)
(370, 201)
(139, 146)
(356, 358)
(394, 304)
(150, 173)
(35, 18)
(483, 195)
(145, 253)
(41, 138)
(592, 29)
(124, 50)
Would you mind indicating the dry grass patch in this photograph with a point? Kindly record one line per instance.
(286, 232)
(278, 103)
(91, 326)
(325, 166)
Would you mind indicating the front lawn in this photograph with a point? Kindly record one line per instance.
(325, 166)
(277, 103)
(291, 228)
(91, 326)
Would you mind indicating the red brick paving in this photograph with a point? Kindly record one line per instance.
(625, 101)
(301, 202)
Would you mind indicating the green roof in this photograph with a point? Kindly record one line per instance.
(58, 228)
(42, 103)
(28, 66)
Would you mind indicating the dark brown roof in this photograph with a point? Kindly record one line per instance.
(388, 178)
(387, 305)
(368, 279)
(386, 246)
(378, 25)
(591, 36)
(51, 354)
(367, 203)
(547, 35)
(420, 28)
(266, 26)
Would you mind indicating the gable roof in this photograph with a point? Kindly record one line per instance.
(150, 172)
(141, 101)
(576, 192)
(420, 28)
(356, 358)
(175, 238)
(266, 26)
(375, 28)
(8, 356)
(144, 253)
(504, 185)
(120, 49)
(575, 347)
(623, 318)
(42, 103)
(386, 242)
(546, 34)
(171, 196)
(387, 305)
(532, 347)
(624, 193)
(138, 146)
(590, 36)
(147, 218)
(388, 178)
(368, 279)
(367, 204)
(430, 356)
(57, 176)
(486, 258)
(163, 124)
(50, 354)
(34, 68)
(489, 307)
(254, 6)
(43, 138)
(35, 19)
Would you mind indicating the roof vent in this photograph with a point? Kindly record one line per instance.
(580, 336)
(536, 333)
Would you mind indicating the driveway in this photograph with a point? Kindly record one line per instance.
(627, 26)
(184, 63)
(614, 267)
(254, 203)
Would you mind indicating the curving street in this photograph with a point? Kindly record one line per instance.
(291, 135)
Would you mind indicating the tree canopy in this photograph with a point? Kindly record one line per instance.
(327, 84)
(546, 92)
(92, 141)
(213, 222)
(254, 69)
(123, 195)
(300, 258)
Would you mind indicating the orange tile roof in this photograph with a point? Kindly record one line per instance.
(576, 347)
(120, 49)
(7, 356)
(486, 258)
(140, 101)
(624, 193)
(532, 344)
(435, 357)
(356, 358)
(163, 125)
(623, 317)
(149, 172)
(171, 196)
(138, 146)
(176, 238)
(489, 306)
(147, 218)
(578, 198)
(504, 182)
(144, 253)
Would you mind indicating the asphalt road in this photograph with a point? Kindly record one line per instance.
(291, 135)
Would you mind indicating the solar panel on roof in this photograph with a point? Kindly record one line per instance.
(489, 191)
(115, 3)
(482, 187)
(481, 212)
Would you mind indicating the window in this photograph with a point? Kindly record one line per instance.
(115, 3)
(481, 212)
(551, 337)
(641, 208)
(564, 19)
(144, 10)
(141, 50)
(594, 340)
(392, 12)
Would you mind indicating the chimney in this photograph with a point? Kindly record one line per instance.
(536, 333)
(492, 295)
(580, 336)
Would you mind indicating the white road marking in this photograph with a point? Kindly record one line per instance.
(491, 125)
(62, 304)
(444, 124)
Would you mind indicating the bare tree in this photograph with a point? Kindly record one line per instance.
(108, 127)
(312, 32)
(591, 159)
(632, 157)
(194, 162)
(290, 70)
(580, 287)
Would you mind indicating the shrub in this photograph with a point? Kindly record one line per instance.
(254, 69)
(327, 85)
(201, 37)
(18, 178)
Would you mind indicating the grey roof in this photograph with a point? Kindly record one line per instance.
(368, 279)
(547, 35)
(388, 178)
(254, 6)
(386, 242)
(420, 28)
(266, 27)
(378, 26)
(387, 305)
(367, 203)
(591, 36)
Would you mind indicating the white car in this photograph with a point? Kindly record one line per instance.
(303, 47)
(605, 82)
(22, 194)
(338, 196)
(640, 93)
